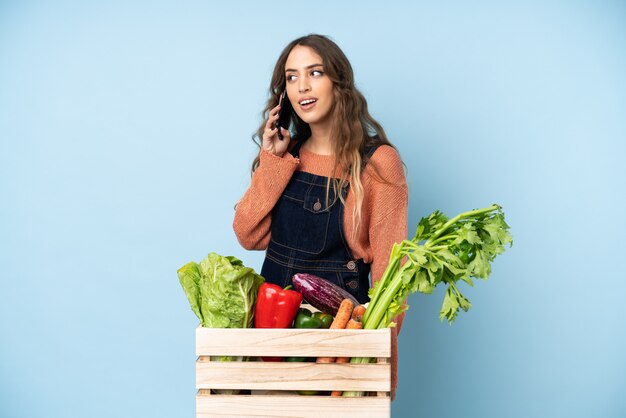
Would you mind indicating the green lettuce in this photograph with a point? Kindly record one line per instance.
(221, 291)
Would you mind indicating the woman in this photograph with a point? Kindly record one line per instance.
(332, 199)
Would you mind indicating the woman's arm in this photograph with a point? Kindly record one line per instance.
(389, 210)
(254, 211)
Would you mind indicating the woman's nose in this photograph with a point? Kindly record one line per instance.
(304, 85)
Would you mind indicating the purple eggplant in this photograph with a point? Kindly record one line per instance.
(321, 293)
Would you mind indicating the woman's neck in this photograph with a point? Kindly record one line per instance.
(319, 141)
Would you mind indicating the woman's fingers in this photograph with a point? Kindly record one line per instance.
(280, 146)
(269, 135)
(274, 112)
(273, 117)
(271, 142)
(271, 131)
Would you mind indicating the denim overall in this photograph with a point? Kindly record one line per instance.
(308, 237)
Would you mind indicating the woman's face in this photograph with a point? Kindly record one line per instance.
(308, 87)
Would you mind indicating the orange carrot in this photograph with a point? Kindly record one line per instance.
(354, 324)
(343, 314)
(358, 312)
(341, 320)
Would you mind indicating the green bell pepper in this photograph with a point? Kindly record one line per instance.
(327, 319)
(305, 319)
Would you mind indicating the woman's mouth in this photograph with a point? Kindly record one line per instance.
(307, 103)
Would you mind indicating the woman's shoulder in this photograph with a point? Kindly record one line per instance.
(386, 162)
(385, 153)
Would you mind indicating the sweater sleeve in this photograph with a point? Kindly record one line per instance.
(389, 210)
(389, 206)
(253, 212)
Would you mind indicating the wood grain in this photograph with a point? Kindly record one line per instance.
(292, 342)
(292, 376)
(250, 406)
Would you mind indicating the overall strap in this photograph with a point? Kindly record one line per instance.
(369, 151)
(295, 151)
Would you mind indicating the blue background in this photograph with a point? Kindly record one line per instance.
(125, 141)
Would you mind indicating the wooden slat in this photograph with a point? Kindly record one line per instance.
(293, 342)
(384, 360)
(230, 406)
(293, 376)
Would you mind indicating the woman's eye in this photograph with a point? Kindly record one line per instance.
(317, 73)
(291, 77)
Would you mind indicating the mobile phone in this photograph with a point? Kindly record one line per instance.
(284, 114)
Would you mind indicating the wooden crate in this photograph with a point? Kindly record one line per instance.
(284, 378)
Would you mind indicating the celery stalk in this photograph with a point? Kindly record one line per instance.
(442, 251)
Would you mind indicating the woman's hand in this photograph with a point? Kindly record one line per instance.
(271, 142)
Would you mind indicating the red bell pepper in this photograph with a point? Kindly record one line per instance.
(276, 308)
